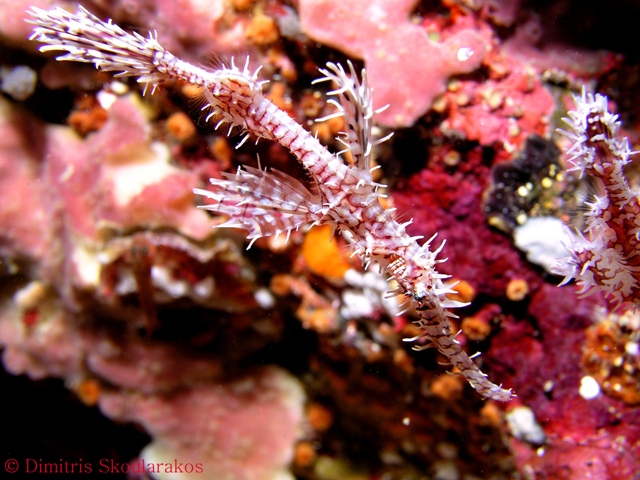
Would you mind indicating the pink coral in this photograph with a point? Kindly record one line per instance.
(407, 69)
(500, 11)
(148, 368)
(20, 234)
(111, 178)
(556, 55)
(243, 429)
(192, 28)
(86, 196)
(503, 110)
(85, 186)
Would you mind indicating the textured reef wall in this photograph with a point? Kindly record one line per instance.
(287, 360)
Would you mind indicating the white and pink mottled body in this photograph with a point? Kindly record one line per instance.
(606, 257)
(270, 202)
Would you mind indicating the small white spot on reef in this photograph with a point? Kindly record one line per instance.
(406, 421)
(118, 88)
(589, 388)
(523, 425)
(204, 288)
(447, 450)
(264, 298)
(67, 173)
(464, 54)
(445, 470)
(18, 82)
(106, 99)
(30, 295)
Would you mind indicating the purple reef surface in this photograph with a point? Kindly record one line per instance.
(123, 306)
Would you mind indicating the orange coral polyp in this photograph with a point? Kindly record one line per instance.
(322, 253)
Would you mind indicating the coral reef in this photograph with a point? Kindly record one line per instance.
(287, 360)
(241, 429)
(407, 63)
(611, 355)
(586, 436)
